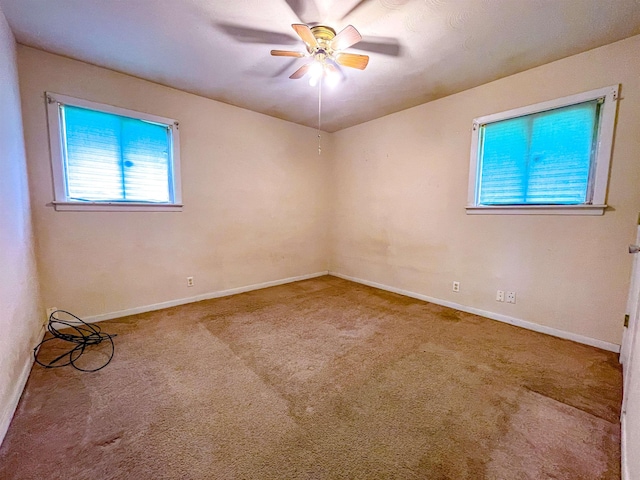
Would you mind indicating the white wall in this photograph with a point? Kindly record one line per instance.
(400, 189)
(254, 190)
(20, 318)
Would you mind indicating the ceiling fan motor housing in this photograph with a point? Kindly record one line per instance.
(324, 35)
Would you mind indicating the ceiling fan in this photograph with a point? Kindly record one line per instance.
(321, 41)
(325, 49)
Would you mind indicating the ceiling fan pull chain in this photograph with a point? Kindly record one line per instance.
(320, 114)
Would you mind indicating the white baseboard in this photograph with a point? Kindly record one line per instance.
(612, 347)
(198, 298)
(7, 415)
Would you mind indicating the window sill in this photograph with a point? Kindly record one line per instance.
(536, 209)
(116, 207)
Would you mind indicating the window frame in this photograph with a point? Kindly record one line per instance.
(598, 183)
(56, 144)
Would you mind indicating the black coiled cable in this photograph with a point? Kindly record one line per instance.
(83, 335)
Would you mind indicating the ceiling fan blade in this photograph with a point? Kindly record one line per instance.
(305, 33)
(286, 53)
(348, 36)
(301, 71)
(352, 60)
(305, 10)
(254, 35)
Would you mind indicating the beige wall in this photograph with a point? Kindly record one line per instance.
(257, 199)
(20, 318)
(254, 190)
(399, 188)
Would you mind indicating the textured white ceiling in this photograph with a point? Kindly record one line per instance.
(426, 49)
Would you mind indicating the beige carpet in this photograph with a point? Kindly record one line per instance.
(322, 379)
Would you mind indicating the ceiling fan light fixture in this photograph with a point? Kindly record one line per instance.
(333, 78)
(316, 70)
(325, 72)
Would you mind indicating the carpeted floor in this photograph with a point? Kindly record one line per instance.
(322, 379)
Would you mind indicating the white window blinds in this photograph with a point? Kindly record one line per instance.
(113, 158)
(544, 158)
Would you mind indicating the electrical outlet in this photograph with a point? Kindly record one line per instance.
(456, 286)
(500, 296)
(50, 310)
(511, 297)
(189, 281)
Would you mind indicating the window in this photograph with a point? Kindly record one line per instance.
(109, 158)
(549, 158)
